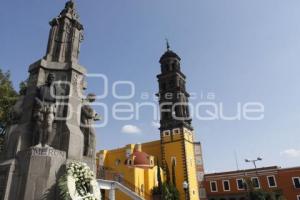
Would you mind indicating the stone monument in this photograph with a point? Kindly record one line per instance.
(46, 131)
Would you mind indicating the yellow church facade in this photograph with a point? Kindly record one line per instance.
(172, 156)
(138, 172)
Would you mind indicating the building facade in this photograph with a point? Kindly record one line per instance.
(283, 182)
(174, 154)
(200, 170)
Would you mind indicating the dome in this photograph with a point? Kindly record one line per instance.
(169, 54)
(141, 158)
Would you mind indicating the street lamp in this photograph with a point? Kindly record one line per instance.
(185, 186)
(254, 161)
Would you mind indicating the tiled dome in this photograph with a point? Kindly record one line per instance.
(141, 158)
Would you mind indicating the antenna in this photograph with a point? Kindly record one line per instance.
(236, 160)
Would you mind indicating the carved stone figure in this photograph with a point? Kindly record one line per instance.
(44, 112)
(17, 110)
(88, 116)
(30, 172)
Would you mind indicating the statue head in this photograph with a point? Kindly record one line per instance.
(50, 78)
(70, 4)
(91, 97)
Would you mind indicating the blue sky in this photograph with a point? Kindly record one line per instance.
(241, 51)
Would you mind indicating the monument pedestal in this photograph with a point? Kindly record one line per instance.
(28, 172)
(33, 174)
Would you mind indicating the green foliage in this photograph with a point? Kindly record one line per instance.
(166, 190)
(63, 188)
(23, 87)
(169, 192)
(8, 97)
(159, 178)
(259, 194)
(156, 190)
(168, 178)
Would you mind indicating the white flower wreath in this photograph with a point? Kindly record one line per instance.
(79, 183)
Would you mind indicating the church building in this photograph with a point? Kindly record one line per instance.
(175, 154)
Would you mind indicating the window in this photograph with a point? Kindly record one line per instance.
(163, 86)
(151, 161)
(174, 65)
(213, 186)
(166, 133)
(176, 131)
(226, 185)
(128, 153)
(129, 162)
(240, 184)
(296, 181)
(271, 181)
(255, 182)
(173, 160)
(117, 162)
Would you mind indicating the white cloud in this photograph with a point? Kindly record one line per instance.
(155, 124)
(131, 129)
(292, 153)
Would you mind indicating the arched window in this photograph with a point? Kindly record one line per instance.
(174, 65)
(117, 162)
(142, 188)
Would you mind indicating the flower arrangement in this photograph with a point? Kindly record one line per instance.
(79, 183)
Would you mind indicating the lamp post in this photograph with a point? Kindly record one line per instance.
(185, 186)
(254, 161)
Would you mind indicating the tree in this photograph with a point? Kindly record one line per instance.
(260, 194)
(168, 178)
(169, 192)
(8, 97)
(166, 190)
(157, 190)
(159, 177)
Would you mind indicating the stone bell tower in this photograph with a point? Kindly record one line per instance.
(46, 133)
(176, 131)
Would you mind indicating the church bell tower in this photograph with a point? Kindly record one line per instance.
(176, 131)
